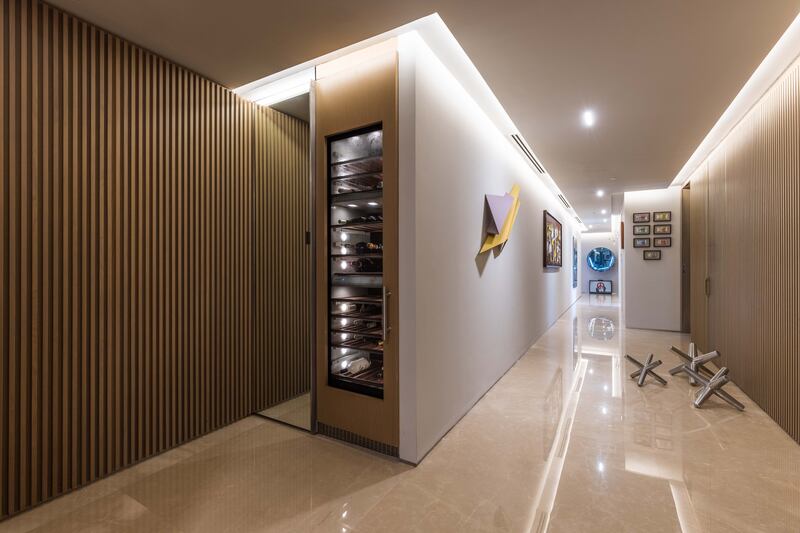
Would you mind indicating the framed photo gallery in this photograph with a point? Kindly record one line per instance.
(655, 223)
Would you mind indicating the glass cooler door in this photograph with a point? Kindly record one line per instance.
(355, 285)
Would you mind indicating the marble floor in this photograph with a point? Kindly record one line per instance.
(564, 442)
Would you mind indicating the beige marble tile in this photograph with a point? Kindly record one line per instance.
(564, 442)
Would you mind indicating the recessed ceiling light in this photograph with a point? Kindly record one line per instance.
(372, 203)
(603, 211)
(588, 118)
(590, 226)
(600, 193)
(605, 220)
(352, 205)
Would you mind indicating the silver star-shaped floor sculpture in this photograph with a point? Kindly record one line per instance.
(713, 385)
(694, 361)
(645, 369)
(711, 382)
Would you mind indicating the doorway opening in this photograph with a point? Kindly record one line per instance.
(283, 262)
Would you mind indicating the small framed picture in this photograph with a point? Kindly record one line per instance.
(641, 230)
(600, 286)
(652, 255)
(662, 229)
(641, 218)
(662, 242)
(662, 216)
(641, 242)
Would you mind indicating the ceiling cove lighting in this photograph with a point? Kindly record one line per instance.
(434, 34)
(588, 118)
(282, 89)
(774, 66)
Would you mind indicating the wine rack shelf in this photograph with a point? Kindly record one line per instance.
(366, 227)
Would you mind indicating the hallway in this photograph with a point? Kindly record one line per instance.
(564, 442)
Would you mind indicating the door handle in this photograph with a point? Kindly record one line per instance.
(708, 286)
(385, 312)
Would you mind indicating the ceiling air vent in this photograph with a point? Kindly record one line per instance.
(564, 201)
(579, 220)
(527, 152)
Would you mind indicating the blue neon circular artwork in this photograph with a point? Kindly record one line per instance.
(601, 259)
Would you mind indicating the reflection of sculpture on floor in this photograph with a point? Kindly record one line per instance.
(645, 369)
(711, 382)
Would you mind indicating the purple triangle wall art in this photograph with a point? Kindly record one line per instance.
(499, 207)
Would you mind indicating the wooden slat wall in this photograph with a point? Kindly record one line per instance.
(753, 247)
(126, 229)
(282, 259)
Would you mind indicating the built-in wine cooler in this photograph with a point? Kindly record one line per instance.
(356, 221)
(357, 293)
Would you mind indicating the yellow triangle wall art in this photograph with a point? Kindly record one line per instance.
(493, 240)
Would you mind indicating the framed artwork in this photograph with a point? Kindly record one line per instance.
(641, 230)
(600, 286)
(552, 241)
(662, 216)
(662, 242)
(652, 255)
(641, 242)
(574, 262)
(662, 229)
(641, 218)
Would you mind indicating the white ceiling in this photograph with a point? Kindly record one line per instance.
(658, 73)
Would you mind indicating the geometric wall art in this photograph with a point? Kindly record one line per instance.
(502, 214)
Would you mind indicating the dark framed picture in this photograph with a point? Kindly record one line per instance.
(662, 229)
(552, 241)
(641, 242)
(600, 286)
(662, 242)
(641, 230)
(662, 216)
(641, 218)
(652, 255)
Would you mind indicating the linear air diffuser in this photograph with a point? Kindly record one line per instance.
(527, 152)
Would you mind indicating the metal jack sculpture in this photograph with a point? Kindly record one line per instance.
(713, 385)
(694, 362)
(645, 369)
(711, 382)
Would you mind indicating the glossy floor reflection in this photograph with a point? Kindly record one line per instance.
(295, 412)
(564, 442)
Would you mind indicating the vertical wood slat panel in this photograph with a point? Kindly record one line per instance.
(753, 251)
(125, 226)
(282, 259)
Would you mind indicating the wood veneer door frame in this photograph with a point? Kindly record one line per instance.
(686, 259)
(360, 96)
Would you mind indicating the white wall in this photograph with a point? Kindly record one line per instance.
(652, 289)
(588, 242)
(465, 318)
